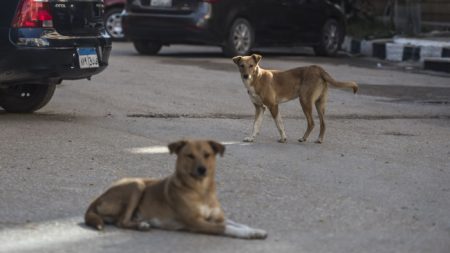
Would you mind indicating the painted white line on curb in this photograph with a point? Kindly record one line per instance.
(367, 48)
(347, 44)
(394, 52)
(430, 51)
(421, 42)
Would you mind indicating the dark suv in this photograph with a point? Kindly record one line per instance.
(235, 25)
(42, 43)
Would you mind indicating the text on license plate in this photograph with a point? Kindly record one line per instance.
(87, 57)
(161, 3)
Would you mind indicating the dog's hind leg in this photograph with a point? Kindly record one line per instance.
(279, 122)
(307, 110)
(92, 218)
(259, 115)
(126, 219)
(320, 106)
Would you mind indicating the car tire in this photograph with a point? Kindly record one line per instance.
(240, 38)
(330, 39)
(113, 23)
(147, 47)
(26, 98)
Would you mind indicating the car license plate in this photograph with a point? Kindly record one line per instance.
(161, 3)
(87, 57)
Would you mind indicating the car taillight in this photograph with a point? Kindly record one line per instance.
(33, 14)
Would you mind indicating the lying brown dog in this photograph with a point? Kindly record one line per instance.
(186, 200)
(268, 88)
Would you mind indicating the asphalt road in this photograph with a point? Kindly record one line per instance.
(379, 183)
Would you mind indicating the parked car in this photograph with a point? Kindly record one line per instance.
(235, 25)
(113, 18)
(43, 43)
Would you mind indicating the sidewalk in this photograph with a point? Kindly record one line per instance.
(432, 51)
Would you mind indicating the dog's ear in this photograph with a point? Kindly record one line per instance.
(237, 59)
(175, 147)
(217, 147)
(256, 57)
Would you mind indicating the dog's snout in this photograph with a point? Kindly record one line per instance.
(201, 171)
(245, 76)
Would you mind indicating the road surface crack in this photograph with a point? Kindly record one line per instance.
(249, 116)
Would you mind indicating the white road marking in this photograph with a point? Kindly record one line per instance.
(235, 143)
(149, 150)
(165, 150)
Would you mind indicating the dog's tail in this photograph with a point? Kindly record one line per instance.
(92, 218)
(338, 84)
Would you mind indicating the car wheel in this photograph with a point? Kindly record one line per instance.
(113, 23)
(330, 39)
(240, 38)
(147, 47)
(26, 98)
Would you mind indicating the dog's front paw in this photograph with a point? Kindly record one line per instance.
(319, 141)
(258, 234)
(249, 139)
(144, 226)
(244, 232)
(302, 140)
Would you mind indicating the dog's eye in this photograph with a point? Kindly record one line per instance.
(206, 155)
(190, 156)
(251, 66)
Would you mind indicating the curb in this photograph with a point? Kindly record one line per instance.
(437, 64)
(433, 57)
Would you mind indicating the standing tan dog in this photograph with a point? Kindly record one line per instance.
(186, 200)
(268, 88)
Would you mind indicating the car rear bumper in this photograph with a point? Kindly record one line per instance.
(170, 29)
(29, 64)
